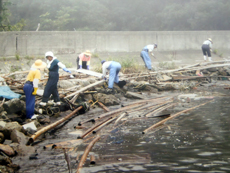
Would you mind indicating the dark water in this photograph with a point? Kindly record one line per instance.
(197, 141)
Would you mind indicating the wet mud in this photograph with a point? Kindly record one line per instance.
(194, 141)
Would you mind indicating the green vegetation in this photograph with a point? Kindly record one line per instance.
(17, 56)
(68, 64)
(128, 65)
(167, 65)
(3, 58)
(29, 57)
(105, 15)
(95, 55)
(216, 52)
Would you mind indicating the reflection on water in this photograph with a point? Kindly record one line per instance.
(197, 141)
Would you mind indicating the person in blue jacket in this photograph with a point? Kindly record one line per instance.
(145, 55)
(113, 68)
(51, 86)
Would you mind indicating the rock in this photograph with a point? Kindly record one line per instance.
(84, 83)
(65, 84)
(214, 69)
(2, 138)
(19, 137)
(9, 151)
(30, 125)
(2, 125)
(22, 150)
(91, 80)
(4, 117)
(5, 160)
(13, 106)
(9, 127)
(6, 169)
(88, 97)
(44, 121)
(106, 99)
(222, 72)
(33, 156)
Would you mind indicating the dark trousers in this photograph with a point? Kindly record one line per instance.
(206, 50)
(30, 99)
(51, 87)
(84, 66)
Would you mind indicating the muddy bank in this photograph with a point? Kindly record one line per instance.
(145, 100)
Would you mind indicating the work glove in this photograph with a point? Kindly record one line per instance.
(35, 91)
(80, 66)
(66, 70)
(87, 67)
(103, 77)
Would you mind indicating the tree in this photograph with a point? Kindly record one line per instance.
(4, 19)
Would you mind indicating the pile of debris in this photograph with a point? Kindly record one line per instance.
(85, 89)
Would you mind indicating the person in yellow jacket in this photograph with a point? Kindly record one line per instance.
(31, 86)
(83, 60)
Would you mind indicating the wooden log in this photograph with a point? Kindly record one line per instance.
(43, 130)
(173, 116)
(84, 156)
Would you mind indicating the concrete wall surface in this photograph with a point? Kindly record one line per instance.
(74, 42)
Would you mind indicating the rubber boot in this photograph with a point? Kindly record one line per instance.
(205, 58)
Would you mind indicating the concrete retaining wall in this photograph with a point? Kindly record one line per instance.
(75, 42)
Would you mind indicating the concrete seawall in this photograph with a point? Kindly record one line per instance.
(108, 43)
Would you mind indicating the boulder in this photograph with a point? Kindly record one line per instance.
(14, 105)
(9, 127)
(65, 84)
(8, 150)
(19, 137)
(106, 99)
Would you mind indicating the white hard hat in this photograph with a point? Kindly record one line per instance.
(49, 54)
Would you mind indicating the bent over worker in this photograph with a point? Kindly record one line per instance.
(207, 48)
(113, 68)
(83, 60)
(31, 86)
(145, 55)
(51, 85)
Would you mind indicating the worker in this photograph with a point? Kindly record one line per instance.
(83, 60)
(145, 55)
(51, 85)
(207, 48)
(31, 86)
(113, 68)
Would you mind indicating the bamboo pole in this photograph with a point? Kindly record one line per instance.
(103, 125)
(85, 88)
(118, 119)
(92, 128)
(103, 106)
(43, 130)
(84, 156)
(155, 112)
(173, 116)
(92, 160)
